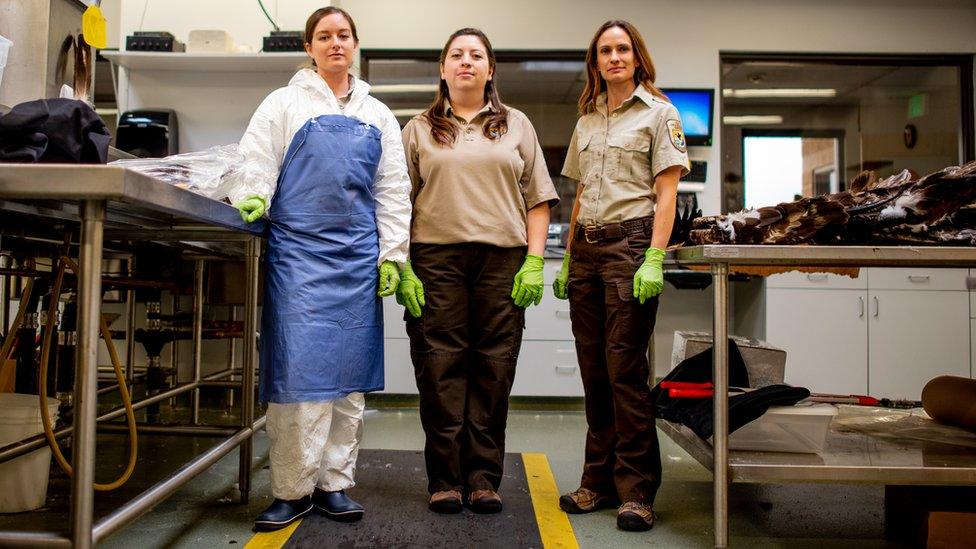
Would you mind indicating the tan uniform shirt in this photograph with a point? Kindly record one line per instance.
(480, 189)
(617, 157)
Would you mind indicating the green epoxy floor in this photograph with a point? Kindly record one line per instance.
(205, 513)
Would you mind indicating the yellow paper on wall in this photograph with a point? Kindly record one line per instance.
(93, 27)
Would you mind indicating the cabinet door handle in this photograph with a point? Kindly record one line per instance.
(565, 369)
(877, 307)
(817, 277)
(860, 309)
(918, 278)
(562, 313)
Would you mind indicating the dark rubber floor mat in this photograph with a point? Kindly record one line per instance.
(392, 486)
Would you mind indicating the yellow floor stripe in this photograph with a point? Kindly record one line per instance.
(554, 526)
(272, 540)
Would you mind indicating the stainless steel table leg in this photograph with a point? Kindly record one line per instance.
(720, 437)
(130, 324)
(250, 361)
(83, 439)
(231, 356)
(197, 335)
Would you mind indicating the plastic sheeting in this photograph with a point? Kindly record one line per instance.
(210, 172)
(900, 425)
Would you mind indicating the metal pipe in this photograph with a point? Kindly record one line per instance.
(28, 445)
(221, 383)
(130, 324)
(33, 539)
(85, 410)
(4, 295)
(253, 256)
(221, 374)
(720, 403)
(231, 356)
(197, 337)
(174, 347)
(189, 430)
(115, 387)
(145, 501)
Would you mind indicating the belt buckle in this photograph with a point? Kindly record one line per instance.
(587, 231)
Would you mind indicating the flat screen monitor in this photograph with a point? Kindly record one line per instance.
(696, 107)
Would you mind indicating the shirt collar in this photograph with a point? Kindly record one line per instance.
(449, 111)
(639, 93)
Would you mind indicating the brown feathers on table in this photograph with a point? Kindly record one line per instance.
(938, 209)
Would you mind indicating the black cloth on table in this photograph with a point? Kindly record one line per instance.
(697, 413)
(53, 130)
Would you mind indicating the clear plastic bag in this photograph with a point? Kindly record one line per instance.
(900, 425)
(207, 172)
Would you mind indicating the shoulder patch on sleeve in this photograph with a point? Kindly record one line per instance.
(677, 135)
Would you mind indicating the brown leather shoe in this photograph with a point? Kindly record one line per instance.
(447, 502)
(485, 501)
(635, 517)
(585, 501)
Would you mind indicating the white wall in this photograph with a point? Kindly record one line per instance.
(685, 38)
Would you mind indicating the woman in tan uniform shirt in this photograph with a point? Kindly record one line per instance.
(627, 152)
(481, 197)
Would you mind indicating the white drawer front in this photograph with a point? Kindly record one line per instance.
(398, 367)
(547, 369)
(549, 320)
(817, 281)
(393, 324)
(917, 279)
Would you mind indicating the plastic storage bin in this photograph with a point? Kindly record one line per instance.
(799, 429)
(23, 481)
(5, 46)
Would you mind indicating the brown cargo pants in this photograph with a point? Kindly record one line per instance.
(464, 348)
(612, 332)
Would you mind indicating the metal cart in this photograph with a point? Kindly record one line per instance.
(848, 458)
(116, 204)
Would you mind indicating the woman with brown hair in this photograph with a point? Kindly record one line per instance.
(627, 152)
(481, 196)
(324, 160)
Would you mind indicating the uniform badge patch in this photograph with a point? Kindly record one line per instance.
(677, 135)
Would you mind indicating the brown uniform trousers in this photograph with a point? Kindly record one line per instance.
(464, 348)
(612, 331)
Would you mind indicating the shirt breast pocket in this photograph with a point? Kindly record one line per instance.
(631, 155)
(589, 154)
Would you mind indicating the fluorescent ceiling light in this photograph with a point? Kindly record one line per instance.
(403, 88)
(752, 119)
(757, 93)
(403, 113)
(554, 66)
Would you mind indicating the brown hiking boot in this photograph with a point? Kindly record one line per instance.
(585, 501)
(447, 502)
(635, 517)
(485, 501)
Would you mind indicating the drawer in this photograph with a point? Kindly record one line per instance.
(393, 324)
(547, 369)
(917, 279)
(398, 368)
(817, 281)
(549, 320)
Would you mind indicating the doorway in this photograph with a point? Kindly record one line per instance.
(786, 165)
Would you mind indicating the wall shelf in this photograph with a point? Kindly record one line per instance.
(209, 62)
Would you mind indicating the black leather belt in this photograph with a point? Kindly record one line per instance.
(615, 231)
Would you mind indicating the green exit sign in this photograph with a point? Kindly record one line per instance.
(916, 105)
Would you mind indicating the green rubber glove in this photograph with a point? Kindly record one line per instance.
(410, 291)
(560, 285)
(389, 278)
(649, 278)
(252, 208)
(529, 282)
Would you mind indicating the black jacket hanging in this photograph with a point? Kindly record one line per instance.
(53, 130)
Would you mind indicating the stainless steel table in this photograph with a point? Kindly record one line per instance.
(858, 466)
(112, 203)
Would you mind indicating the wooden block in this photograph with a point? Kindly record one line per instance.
(951, 530)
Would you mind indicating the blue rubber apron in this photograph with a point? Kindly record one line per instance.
(322, 323)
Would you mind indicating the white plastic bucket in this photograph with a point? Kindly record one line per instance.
(23, 481)
(5, 46)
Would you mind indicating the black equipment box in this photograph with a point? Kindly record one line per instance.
(153, 41)
(285, 41)
(148, 133)
(697, 173)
